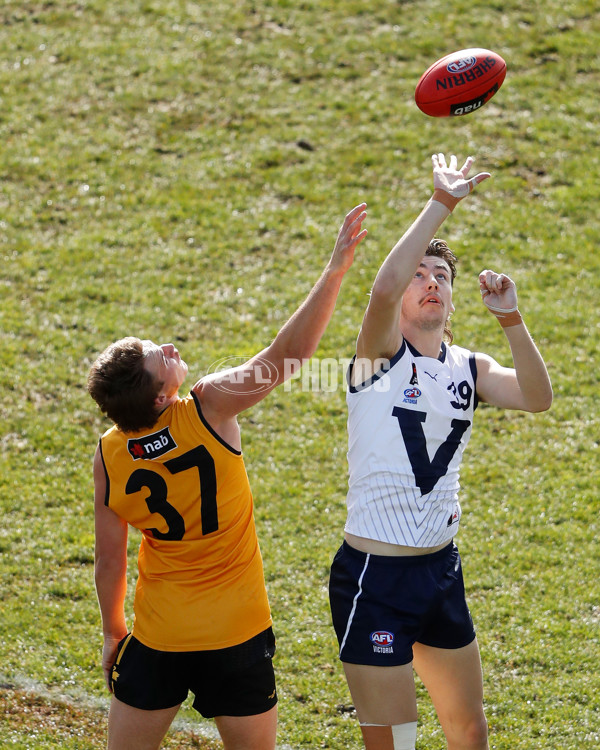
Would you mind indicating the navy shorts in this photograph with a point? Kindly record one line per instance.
(382, 605)
(235, 681)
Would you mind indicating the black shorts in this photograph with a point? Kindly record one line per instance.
(235, 681)
(382, 605)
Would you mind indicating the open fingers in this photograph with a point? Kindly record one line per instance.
(439, 161)
(351, 231)
(359, 237)
(356, 210)
(355, 216)
(354, 219)
(480, 177)
(464, 170)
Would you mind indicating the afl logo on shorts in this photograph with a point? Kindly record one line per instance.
(382, 641)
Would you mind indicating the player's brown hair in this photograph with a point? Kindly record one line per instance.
(440, 249)
(121, 386)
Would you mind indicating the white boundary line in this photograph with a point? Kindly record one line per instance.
(204, 727)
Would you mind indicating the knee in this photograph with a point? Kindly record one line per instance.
(470, 736)
(477, 734)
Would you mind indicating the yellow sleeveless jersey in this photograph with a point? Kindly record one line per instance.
(201, 582)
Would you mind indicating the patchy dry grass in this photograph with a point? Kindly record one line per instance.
(31, 721)
(181, 174)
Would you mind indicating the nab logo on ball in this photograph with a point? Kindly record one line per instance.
(382, 641)
(460, 83)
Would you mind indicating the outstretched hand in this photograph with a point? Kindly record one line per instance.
(451, 180)
(350, 234)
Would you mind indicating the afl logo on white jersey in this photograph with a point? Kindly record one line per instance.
(411, 395)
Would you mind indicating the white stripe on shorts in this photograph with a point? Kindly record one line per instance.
(354, 603)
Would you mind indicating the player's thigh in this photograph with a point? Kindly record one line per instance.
(453, 678)
(132, 728)
(256, 732)
(382, 695)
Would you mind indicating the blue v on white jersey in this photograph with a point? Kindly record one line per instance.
(408, 426)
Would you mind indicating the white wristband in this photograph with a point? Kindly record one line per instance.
(502, 309)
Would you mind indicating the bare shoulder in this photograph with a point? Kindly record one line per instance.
(485, 363)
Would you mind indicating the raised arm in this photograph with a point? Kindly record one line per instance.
(525, 386)
(223, 395)
(110, 569)
(380, 335)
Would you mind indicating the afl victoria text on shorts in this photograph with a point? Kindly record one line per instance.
(382, 605)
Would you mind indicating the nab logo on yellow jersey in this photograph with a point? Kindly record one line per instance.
(151, 446)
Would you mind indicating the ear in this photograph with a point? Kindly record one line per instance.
(159, 401)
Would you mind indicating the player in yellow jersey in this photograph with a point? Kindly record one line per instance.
(173, 468)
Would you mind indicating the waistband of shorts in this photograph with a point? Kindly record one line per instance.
(399, 560)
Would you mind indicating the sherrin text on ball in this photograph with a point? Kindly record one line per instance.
(460, 83)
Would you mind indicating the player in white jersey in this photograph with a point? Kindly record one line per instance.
(396, 587)
(404, 468)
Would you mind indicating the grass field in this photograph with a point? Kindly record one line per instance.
(178, 170)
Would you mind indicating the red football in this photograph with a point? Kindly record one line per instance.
(460, 83)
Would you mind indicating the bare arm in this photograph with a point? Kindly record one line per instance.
(110, 568)
(224, 395)
(527, 385)
(380, 335)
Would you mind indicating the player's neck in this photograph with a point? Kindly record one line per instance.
(426, 342)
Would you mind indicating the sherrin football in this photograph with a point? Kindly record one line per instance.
(460, 83)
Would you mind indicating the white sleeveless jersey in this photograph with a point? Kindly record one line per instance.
(408, 426)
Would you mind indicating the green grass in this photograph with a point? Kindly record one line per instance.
(179, 170)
